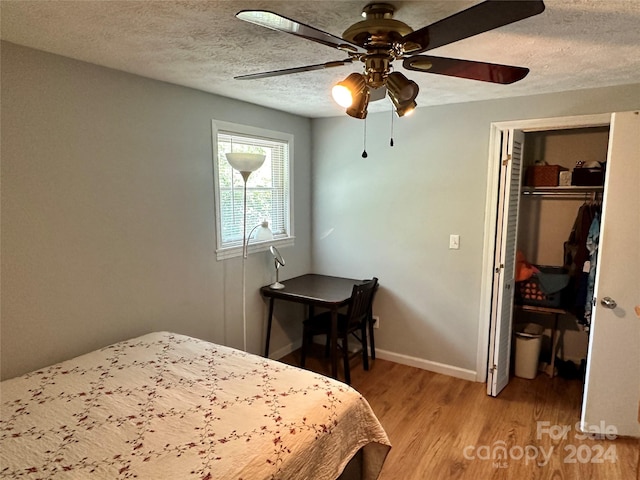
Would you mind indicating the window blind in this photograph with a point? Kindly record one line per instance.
(267, 187)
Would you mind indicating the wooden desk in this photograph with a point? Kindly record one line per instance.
(315, 291)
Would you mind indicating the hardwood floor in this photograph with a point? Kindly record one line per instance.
(446, 428)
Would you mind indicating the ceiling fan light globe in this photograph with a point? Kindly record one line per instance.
(408, 112)
(348, 91)
(406, 108)
(342, 95)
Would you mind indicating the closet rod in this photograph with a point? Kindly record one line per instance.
(566, 192)
(568, 195)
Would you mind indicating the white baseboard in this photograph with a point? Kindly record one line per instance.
(397, 358)
(427, 365)
(286, 350)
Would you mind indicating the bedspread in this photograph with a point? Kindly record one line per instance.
(169, 406)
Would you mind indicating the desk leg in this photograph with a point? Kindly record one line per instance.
(269, 321)
(334, 343)
(554, 346)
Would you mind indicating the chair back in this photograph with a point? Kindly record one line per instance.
(360, 303)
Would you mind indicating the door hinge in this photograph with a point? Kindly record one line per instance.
(493, 369)
(505, 161)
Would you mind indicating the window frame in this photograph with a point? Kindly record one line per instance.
(224, 252)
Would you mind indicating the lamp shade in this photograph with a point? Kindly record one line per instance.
(245, 162)
(263, 232)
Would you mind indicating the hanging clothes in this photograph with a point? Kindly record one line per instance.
(575, 256)
(592, 246)
(575, 248)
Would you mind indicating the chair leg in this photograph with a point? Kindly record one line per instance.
(303, 350)
(365, 353)
(371, 339)
(345, 356)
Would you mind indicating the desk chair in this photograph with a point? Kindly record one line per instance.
(354, 322)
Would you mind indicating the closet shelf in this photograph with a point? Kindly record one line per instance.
(561, 191)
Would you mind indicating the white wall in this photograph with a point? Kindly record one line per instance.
(391, 214)
(108, 227)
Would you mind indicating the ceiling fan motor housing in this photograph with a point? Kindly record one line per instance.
(379, 29)
(376, 69)
(381, 35)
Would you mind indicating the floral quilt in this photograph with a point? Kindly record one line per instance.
(167, 406)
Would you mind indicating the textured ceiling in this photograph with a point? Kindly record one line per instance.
(573, 44)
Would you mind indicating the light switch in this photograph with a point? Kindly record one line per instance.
(454, 242)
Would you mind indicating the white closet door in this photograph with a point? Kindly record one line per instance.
(612, 386)
(504, 265)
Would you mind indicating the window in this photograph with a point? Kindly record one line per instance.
(269, 189)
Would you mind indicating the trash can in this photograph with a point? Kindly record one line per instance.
(528, 343)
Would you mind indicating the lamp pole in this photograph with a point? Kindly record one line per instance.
(245, 163)
(245, 243)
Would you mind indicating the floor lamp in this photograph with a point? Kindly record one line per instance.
(245, 163)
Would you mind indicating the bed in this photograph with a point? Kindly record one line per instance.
(170, 406)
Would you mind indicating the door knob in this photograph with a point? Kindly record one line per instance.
(608, 302)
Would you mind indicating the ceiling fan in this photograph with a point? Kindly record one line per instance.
(379, 40)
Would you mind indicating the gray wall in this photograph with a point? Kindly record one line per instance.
(391, 214)
(108, 226)
(108, 215)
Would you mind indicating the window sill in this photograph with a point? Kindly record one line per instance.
(254, 247)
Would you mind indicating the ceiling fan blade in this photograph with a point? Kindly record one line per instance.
(480, 18)
(453, 67)
(288, 71)
(283, 24)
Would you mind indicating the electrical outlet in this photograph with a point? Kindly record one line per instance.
(376, 321)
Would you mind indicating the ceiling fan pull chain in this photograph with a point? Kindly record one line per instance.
(391, 140)
(364, 146)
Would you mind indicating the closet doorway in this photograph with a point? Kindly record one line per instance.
(614, 340)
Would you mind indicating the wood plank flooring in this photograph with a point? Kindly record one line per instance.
(446, 428)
